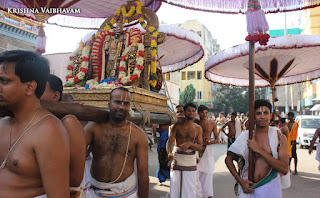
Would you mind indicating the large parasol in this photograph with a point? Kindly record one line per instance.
(284, 60)
(241, 6)
(188, 45)
(181, 48)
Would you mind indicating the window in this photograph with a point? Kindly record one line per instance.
(191, 75)
(199, 95)
(183, 75)
(167, 76)
(199, 74)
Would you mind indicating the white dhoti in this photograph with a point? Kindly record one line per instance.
(41, 196)
(86, 179)
(270, 185)
(78, 190)
(222, 136)
(238, 128)
(206, 169)
(183, 174)
(271, 189)
(198, 185)
(127, 188)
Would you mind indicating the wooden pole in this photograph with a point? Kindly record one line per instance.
(96, 114)
(273, 101)
(251, 106)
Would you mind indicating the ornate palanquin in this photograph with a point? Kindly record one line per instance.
(120, 56)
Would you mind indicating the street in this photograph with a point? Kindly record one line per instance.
(305, 184)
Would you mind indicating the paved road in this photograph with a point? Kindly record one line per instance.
(304, 185)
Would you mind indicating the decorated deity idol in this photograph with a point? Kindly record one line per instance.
(77, 60)
(132, 60)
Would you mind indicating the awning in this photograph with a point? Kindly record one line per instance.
(315, 108)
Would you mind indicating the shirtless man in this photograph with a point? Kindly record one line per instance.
(179, 110)
(221, 120)
(283, 127)
(187, 138)
(271, 156)
(231, 128)
(53, 92)
(206, 166)
(208, 126)
(34, 145)
(115, 146)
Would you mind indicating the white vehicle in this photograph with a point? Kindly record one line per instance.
(307, 127)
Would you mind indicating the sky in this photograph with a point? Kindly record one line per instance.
(228, 29)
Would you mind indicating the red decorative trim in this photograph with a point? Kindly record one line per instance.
(239, 11)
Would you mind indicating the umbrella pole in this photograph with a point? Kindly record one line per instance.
(251, 106)
(273, 101)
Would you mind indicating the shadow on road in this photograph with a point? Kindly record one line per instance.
(303, 185)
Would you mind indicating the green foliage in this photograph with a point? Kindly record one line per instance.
(234, 99)
(188, 95)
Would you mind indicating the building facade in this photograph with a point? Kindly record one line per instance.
(311, 91)
(194, 74)
(17, 32)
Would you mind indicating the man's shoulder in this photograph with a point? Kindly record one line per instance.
(49, 120)
(135, 130)
(137, 133)
(196, 125)
(96, 125)
(69, 118)
(284, 128)
(51, 127)
(135, 127)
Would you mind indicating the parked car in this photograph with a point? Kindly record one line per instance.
(307, 127)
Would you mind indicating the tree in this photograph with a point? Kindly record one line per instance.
(188, 95)
(234, 99)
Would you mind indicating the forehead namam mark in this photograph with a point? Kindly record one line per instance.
(121, 95)
(262, 109)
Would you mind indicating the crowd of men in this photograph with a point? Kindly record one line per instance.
(43, 156)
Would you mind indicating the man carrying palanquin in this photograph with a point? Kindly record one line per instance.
(271, 157)
(53, 92)
(206, 166)
(115, 145)
(187, 138)
(180, 110)
(34, 145)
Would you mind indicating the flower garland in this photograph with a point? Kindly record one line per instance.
(71, 64)
(152, 30)
(73, 80)
(96, 54)
(129, 14)
(127, 79)
(155, 33)
(258, 37)
(114, 19)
